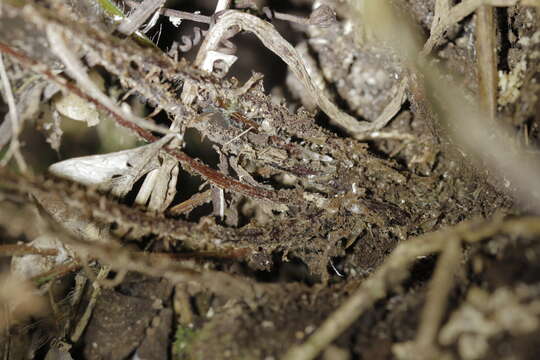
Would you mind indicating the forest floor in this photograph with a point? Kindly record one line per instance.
(357, 181)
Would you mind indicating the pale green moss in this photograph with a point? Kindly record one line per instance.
(183, 338)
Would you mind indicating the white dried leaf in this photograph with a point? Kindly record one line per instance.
(160, 184)
(147, 187)
(95, 170)
(116, 171)
(151, 23)
(54, 131)
(77, 108)
(176, 21)
(165, 187)
(213, 56)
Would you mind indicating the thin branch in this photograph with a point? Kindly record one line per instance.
(14, 148)
(486, 59)
(237, 137)
(172, 13)
(195, 201)
(56, 272)
(222, 5)
(68, 86)
(184, 15)
(273, 40)
(122, 259)
(22, 249)
(143, 11)
(85, 319)
(437, 297)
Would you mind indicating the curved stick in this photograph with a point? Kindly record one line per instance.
(273, 40)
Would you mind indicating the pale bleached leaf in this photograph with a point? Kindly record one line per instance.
(116, 171)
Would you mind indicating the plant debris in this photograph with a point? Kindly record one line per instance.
(153, 206)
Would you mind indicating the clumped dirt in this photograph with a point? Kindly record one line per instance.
(285, 216)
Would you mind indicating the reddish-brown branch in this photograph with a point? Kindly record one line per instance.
(215, 177)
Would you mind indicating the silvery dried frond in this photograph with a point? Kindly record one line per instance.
(116, 171)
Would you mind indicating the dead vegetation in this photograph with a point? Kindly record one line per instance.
(156, 207)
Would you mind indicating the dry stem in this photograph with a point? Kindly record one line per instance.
(486, 59)
(20, 249)
(439, 288)
(446, 17)
(14, 148)
(273, 40)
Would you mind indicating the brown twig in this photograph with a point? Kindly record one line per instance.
(56, 272)
(437, 297)
(486, 59)
(42, 69)
(76, 69)
(189, 163)
(22, 249)
(123, 259)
